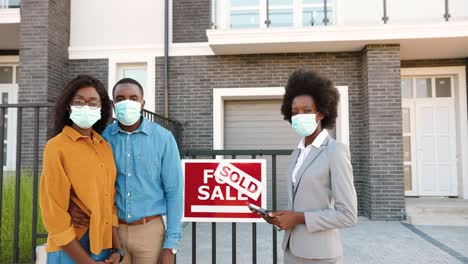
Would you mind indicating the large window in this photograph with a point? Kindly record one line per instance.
(313, 13)
(10, 3)
(281, 13)
(244, 14)
(137, 72)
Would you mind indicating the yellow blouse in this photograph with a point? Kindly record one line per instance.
(78, 168)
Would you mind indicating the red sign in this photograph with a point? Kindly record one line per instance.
(218, 190)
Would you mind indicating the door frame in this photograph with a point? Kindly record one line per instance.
(116, 61)
(461, 115)
(12, 112)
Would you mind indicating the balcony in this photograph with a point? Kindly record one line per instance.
(270, 26)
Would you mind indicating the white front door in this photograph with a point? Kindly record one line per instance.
(436, 147)
(429, 136)
(9, 95)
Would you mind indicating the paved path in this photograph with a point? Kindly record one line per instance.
(370, 242)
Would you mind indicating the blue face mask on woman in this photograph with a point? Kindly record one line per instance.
(85, 116)
(128, 112)
(304, 124)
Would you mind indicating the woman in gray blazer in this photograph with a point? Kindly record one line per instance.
(322, 197)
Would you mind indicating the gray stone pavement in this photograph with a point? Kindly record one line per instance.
(369, 242)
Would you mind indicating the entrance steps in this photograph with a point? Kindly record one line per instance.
(437, 211)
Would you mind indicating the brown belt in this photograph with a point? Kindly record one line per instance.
(142, 221)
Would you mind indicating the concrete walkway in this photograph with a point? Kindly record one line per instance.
(371, 242)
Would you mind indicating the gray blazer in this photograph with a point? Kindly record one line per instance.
(325, 192)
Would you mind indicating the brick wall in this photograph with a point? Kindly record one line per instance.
(44, 40)
(190, 20)
(34, 39)
(58, 42)
(382, 195)
(98, 68)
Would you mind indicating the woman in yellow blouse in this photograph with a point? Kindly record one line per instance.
(78, 166)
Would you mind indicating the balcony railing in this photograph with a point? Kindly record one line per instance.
(9, 4)
(255, 14)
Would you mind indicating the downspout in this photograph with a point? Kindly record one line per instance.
(166, 58)
(466, 77)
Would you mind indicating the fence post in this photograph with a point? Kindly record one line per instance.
(35, 182)
(2, 137)
(17, 186)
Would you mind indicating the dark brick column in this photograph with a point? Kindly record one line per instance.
(382, 196)
(190, 20)
(43, 67)
(98, 68)
(44, 41)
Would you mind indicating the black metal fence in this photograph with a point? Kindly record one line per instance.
(172, 125)
(26, 121)
(20, 218)
(24, 129)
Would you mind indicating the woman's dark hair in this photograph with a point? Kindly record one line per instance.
(62, 108)
(322, 91)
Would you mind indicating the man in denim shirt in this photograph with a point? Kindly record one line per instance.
(149, 180)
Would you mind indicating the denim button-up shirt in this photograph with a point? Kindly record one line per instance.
(149, 176)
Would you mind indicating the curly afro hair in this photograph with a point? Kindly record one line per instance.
(322, 91)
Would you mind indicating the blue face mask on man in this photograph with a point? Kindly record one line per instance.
(304, 124)
(128, 112)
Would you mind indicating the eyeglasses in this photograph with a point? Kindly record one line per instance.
(93, 104)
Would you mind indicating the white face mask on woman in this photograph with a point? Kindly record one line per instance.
(85, 116)
(304, 124)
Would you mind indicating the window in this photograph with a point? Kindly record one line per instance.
(423, 88)
(408, 178)
(137, 72)
(281, 13)
(407, 88)
(443, 87)
(252, 14)
(10, 3)
(407, 138)
(430, 87)
(6, 74)
(244, 13)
